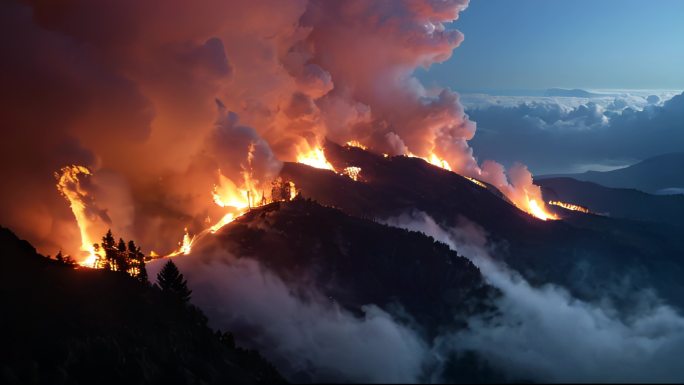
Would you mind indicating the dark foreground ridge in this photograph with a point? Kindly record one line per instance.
(356, 261)
(60, 325)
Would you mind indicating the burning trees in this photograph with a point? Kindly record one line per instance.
(282, 190)
(120, 256)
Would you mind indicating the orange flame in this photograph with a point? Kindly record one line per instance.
(314, 157)
(477, 182)
(352, 172)
(357, 144)
(69, 185)
(570, 206)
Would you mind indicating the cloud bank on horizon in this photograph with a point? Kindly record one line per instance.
(574, 134)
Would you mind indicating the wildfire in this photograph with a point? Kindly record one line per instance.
(69, 185)
(352, 172)
(477, 182)
(433, 159)
(570, 206)
(185, 245)
(534, 208)
(314, 157)
(240, 201)
(356, 143)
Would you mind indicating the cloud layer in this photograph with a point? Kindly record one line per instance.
(554, 135)
(544, 334)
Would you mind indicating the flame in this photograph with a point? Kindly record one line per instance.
(352, 172)
(437, 161)
(570, 206)
(357, 144)
(69, 185)
(433, 159)
(314, 157)
(477, 182)
(536, 209)
(185, 245)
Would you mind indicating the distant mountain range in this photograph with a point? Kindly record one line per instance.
(616, 202)
(661, 174)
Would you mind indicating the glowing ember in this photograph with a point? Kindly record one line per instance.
(570, 206)
(352, 172)
(315, 158)
(356, 143)
(477, 182)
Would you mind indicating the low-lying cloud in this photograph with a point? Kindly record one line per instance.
(544, 334)
(307, 336)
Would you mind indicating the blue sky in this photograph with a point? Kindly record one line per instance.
(538, 44)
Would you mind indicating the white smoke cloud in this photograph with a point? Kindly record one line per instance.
(544, 334)
(308, 337)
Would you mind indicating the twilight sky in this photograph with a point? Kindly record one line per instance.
(538, 44)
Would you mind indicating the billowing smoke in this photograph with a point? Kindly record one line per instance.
(545, 334)
(129, 89)
(306, 335)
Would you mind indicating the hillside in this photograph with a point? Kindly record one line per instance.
(616, 202)
(551, 251)
(356, 261)
(61, 325)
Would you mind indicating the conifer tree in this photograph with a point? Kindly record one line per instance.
(171, 281)
(109, 247)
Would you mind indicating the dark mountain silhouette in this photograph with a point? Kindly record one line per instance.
(551, 251)
(357, 262)
(653, 175)
(61, 325)
(616, 202)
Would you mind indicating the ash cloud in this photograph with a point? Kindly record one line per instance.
(544, 334)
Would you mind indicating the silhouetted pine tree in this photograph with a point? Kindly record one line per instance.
(171, 281)
(122, 257)
(137, 262)
(109, 247)
(59, 257)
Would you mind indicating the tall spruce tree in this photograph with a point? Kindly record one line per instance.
(171, 281)
(110, 251)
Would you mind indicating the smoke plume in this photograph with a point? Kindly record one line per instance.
(129, 89)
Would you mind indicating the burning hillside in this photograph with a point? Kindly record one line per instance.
(142, 123)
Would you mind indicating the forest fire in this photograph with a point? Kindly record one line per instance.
(314, 157)
(69, 184)
(352, 172)
(570, 206)
(357, 144)
(477, 182)
(536, 209)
